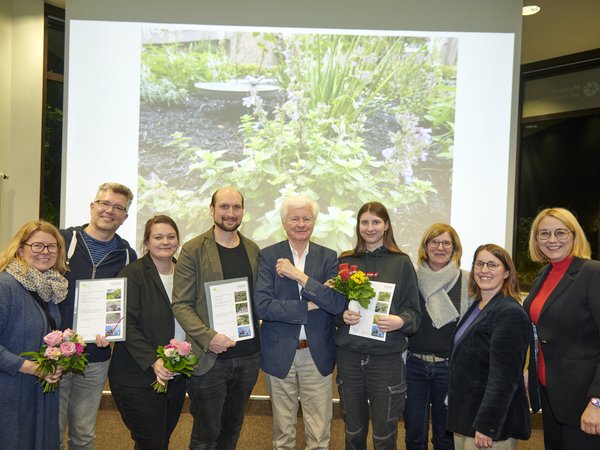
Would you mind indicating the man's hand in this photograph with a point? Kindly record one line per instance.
(220, 343)
(285, 268)
(312, 306)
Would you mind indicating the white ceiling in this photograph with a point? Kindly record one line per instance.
(561, 28)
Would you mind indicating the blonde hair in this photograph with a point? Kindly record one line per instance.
(434, 231)
(581, 246)
(12, 250)
(117, 188)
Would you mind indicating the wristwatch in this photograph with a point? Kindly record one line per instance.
(595, 401)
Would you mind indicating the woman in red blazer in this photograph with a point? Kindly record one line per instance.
(564, 304)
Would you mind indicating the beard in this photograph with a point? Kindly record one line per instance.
(223, 226)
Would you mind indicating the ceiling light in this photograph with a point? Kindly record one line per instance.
(529, 10)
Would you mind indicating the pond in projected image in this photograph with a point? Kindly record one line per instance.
(348, 119)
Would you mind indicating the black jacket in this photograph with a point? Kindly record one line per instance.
(486, 391)
(150, 323)
(81, 267)
(569, 333)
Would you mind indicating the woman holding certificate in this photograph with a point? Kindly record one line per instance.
(151, 417)
(370, 368)
(31, 285)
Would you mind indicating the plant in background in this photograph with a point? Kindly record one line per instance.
(312, 140)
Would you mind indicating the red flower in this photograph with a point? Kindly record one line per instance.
(344, 274)
(343, 266)
(353, 268)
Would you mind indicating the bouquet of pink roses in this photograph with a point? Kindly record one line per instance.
(177, 358)
(61, 349)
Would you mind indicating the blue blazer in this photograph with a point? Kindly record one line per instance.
(283, 310)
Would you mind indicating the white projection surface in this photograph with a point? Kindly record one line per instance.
(107, 125)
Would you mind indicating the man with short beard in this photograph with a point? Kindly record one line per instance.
(226, 372)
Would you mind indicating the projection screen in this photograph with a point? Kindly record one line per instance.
(415, 113)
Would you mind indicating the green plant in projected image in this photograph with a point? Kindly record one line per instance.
(317, 137)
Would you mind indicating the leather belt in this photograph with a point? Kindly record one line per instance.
(429, 358)
(302, 343)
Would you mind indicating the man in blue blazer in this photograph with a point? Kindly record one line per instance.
(297, 332)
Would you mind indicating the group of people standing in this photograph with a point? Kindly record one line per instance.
(459, 347)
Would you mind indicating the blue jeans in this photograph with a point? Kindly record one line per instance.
(79, 402)
(218, 399)
(375, 382)
(427, 391)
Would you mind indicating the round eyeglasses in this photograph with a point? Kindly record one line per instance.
(38, 247)
(435, 243)
(560, 233)
(491, 265)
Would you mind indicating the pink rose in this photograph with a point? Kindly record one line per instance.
(68, 348)
(54, 338)
(185, 348)
(68, 334)
(174, 343)
(79, 349)
(53, 353)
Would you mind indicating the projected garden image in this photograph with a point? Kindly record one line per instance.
(345, 118)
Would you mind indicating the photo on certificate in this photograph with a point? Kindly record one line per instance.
(101, 308)
(229, 309)
(378, 305)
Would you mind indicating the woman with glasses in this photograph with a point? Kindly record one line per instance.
(487, 399)
(370, 372)
(31, 285)
(150, 417)
(444, 299)
(564, 304)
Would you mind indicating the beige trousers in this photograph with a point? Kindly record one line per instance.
(315, 393)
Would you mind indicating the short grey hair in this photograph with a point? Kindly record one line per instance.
(298, 201)
(117, 188)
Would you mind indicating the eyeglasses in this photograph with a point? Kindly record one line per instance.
(491, 265)
(106, 205)
(560, 233)
(435, 243)
(38, 247)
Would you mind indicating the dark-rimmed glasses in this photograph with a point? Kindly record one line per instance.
(39, 247)
(106, 205)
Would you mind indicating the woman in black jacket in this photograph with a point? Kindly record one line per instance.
(487, 400)
(564, 304)
(150, 417)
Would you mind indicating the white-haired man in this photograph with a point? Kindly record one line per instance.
(297, 332)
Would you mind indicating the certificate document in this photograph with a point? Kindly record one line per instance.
(100, 308)
(378, 305)
(229, 309)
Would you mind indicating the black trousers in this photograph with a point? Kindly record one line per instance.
(560, 436)
(150, 417)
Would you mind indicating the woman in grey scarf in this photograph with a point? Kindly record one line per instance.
(444, 299)
(31, 285)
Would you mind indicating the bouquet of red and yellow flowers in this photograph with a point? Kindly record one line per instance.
(61, 349)
(177, 358)
(354, 284)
